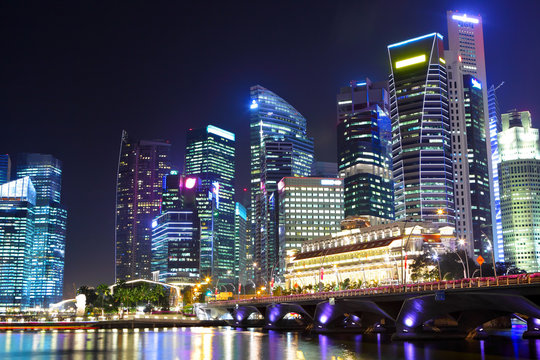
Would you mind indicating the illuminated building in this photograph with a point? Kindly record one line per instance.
(422, 157)
(280, 147)
(210, 156)
(519, 180)
(365, 150)
(50, 217)
(175, 232)
(309, 207)
(5, 168)
(495, 127)
(141, 168)
(470, 157)
(324, 169)
(370, 255)
(240, 245)
(17, 200)
(466, 51)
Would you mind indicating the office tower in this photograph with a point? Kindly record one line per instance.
(279, 147)
(5, 168)
(48, 250)
(470, 158)
(365, 150)
(175, 233)
(422, 157)
(17, 200)
(325, 169)
(141, 167)
(519, 180)
(240, 245)
(210, 155)
(309, 207)
(495, 127)
(466, 42)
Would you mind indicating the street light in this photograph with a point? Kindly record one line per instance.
(492, 256)
(436, 257)
(462, 243)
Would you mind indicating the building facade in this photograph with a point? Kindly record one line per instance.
(141, 168)
(17, 201)
(421, 152)
(519, 180)
(241, 247)
(309, 207)
(50, 221)
(210, 156)
(365, 150)
(279, 147)
(371, 255)
(5, 168)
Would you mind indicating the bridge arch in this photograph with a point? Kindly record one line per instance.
(469, 310)
(276, 313)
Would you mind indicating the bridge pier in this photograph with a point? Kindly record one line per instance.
(276, 313)
(533, 328)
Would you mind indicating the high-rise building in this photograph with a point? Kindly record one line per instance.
(17, 200)
(210, 156)
(495, 127)
(325, 169)
(470, 157)
(519, 180)
(466, 43)
(48, 250)
(141, 168)
(365, 150)
(175, 233)
(240, 245)
(309, 207)
(5, 168)
(279, 147)
(422, 157)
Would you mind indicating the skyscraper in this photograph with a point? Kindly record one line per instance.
(495, 127)
(141, 168)
(240, 245)
(365, 150)
(17, 200)
(466, 43)
(470, 157)
(210, 156)
(176, 234)
(309, 207)
(5, 168)
(519, 177)
(422, 158)
(279, 147)
(48, 250)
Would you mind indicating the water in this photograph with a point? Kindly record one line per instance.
(226, 343)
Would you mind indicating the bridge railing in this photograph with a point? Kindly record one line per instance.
(500, 281)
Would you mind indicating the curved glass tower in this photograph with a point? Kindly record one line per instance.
(279, 147)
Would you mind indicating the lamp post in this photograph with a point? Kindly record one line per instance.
(462, 243)
(436, 257)
(492, 256)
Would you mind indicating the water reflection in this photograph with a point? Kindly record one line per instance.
(228, 344)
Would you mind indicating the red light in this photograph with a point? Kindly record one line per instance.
(245, 189)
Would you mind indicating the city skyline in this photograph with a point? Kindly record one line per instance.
(290, 89)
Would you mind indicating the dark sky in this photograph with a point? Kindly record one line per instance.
(75, 73)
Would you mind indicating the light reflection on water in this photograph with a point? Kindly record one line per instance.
(226, 343)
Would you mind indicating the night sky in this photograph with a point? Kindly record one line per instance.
(75, 73)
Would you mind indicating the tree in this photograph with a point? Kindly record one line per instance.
(424, 268)
(103, 291)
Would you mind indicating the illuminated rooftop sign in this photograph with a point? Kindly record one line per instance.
(190, 182)
(465, 18)
(344, 102)
(220, 132)
(476, 84)
(253, 105)
(415, 39)
(330, 182)
(411, 61)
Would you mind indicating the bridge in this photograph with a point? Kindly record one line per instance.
(441, 309)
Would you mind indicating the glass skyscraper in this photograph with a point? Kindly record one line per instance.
(422, 157)
(5, 168)
(17, 201)
(141, 168)
(279, 147)
(365, 151)
(210, 156)
(240, 245)
(48, 250)
(519, 180)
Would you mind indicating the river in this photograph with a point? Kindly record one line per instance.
(227, 343)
